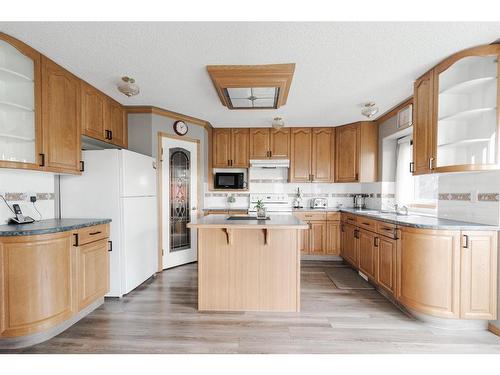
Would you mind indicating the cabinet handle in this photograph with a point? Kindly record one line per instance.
(412, 167)
(110, 245)
(431, 160)
(310, 226)
(466, 241)
(365, 223)
(228, 162)
(107, 134)
(76, 239)
(110, 135)
(94, 233)
(82, 166)
(231, 162)
(42, 163)
(270, 153)
(376, 241)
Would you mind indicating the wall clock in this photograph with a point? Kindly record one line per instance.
(180, 128)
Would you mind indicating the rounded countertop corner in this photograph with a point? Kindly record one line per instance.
(48, 226)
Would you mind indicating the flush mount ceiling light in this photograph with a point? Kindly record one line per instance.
(369, 109)
(128, 87)
(252, 86)
(278, 122)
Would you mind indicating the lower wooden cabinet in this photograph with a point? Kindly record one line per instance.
(478, 264)
(443, 273)
(367, 254)
(92, 272)
(385, 263)
(46, 279)
(323, 235)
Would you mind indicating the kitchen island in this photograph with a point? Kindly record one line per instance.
(249, 265)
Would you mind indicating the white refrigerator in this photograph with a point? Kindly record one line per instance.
(120, 185)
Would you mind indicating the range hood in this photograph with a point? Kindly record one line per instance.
(270, 163)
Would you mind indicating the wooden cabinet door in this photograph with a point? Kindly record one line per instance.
(280, 143)
(36, 285)
(240, 148)
(349, 250)
(347, 142)
(92, 272)
(386, 263)
(92, 112)
(221, 148)
(60, 119)
(317, 241)
(323, 146)
(478, 275)
(423, 125)
(115, 123)
(428, 271)
(333, 238)
(305, 237)
(259, 143)
(300, 161)
(367, 252)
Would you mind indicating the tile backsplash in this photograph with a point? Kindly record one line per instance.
(16, 186)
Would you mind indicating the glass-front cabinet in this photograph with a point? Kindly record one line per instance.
(19, 104)
(457, 117)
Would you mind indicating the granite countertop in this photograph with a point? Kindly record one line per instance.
(275, 221)
(225, 209)
(308, 209)
(48, 226)
(420, 221)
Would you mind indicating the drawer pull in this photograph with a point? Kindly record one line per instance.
(94, 233)
(76, 239)
(365, 223)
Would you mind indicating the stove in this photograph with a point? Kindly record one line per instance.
(274, 203)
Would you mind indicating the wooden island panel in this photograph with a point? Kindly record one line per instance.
(248, 269)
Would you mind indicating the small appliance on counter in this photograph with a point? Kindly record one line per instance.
(359, 201)
(318, 203)
(297, 202)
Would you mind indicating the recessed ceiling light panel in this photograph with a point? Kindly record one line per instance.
(252, 97)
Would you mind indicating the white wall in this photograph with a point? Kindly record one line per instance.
(18, 185)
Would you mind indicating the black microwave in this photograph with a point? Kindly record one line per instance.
(228, 180)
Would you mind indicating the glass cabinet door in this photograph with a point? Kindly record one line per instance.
(467, 117)
(17, 106)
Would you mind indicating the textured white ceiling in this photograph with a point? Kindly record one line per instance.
(338, 65)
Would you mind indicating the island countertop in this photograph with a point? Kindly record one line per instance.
(48, 226)
(274, 222)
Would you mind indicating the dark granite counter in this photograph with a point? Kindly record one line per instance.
(48, 226)
(420, 221)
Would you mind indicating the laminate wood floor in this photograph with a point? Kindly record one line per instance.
(161, 317)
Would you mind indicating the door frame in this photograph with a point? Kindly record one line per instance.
(159, 182)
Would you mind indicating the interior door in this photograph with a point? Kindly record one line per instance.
(179, 201)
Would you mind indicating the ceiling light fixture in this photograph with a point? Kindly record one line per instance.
(128, 87)
(278, 122)
(369, 110)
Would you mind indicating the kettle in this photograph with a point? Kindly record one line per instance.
(359, 201)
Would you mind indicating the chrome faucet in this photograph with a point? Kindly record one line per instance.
(403, 210)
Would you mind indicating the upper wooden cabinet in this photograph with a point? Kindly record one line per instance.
(423, 150)
(60, 119)
(457, 117)
(356, 157)
(93, 103)
(230, 148)
(102, 118)
(20, 104)
(268, 143)
(312, 155)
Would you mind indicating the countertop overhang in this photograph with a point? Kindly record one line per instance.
(275, 222)
(48, 226)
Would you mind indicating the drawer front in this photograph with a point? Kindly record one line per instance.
(348, 218)
(386, 229)
(368, 224)
(310, 216)
(333, 216)
(91, 234)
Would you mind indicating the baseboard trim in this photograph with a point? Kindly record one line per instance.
(494, 329)
(37, 338)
